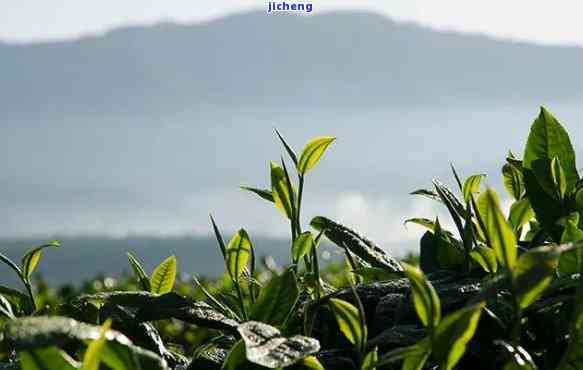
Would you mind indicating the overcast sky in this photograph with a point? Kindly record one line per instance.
(557, 21)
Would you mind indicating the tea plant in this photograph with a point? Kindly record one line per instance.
(500, 291)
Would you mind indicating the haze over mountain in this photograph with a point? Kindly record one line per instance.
(147, 129)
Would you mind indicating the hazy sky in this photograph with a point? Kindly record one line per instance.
(535, 20)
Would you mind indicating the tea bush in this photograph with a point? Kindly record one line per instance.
(497, 292)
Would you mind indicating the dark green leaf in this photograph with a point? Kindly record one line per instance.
(288, 148)
(358, 245)
(429, 224)
(547, 140)
(139, 272)
(486, 258)
(276, 300)
(219, 237)
(570, 261)
(263, 193)
(513, 181)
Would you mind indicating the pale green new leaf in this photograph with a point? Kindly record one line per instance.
(570, 261)
(486, 258)
(238, 251)
(312, 153)
(513, 181)
(558, 176)
(370, 360)
(521, 213)
(472, 186)
(282, 194)
(311, 363)
(348, 319)
(302, 245)
(31, 258)
(425, 299)
(92, 356)
(533, 273)
(163, 276)
(47, 358)
(499, 233)
(453, 334)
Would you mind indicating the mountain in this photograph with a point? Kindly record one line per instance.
(145, 130)
(277, 63)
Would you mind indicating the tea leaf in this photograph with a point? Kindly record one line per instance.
(359, 245)
(288, 148)
(238, 251)
(533, 273)
(276, 300)
(6, 308)
(139, 272)
(92, 356)
(558, 176)
(486, 258)
(453, 334)
(513, 181)
(263, 193)
(31, 258)
(312, 153)
(48, 358)
(163, 276)
(521, 213)
(302, 245)
(424, 296)
(472, 186)
(570, 261)
(547, 140)
(348, 319)
(236, 357)
(427, 223)
(312, 363)
(265, 346)
(499, 234)
(370, 360)
(282, 194)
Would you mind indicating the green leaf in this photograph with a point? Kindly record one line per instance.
(48, 358)
(302, 245)
(362, 247)
(499, 233)
(219, 237)
(163, 276)
(31, 258)
(547, 140)
(312, 363)
(263, 193)
(414, 356)
(427, 223)
(312, 153)
(425, 297)
(92, 356)
(570, 261)
(276, 300)
(288, 148)
(282, 194)
(348, 319)
(453, 334)
(533, 273)
(236, 357)
(558, 176)
(6, 308)
(453, 205)
(238, 251)
(139, 272)
(472, 186)
(265, 346)
(370, 360)
(20, 301)
(513, 181)
(486, 258)
(521, 213)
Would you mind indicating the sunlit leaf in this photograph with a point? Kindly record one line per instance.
(558, 176)
(238, 250)
(163, 276)
(302, 245)
(453, 334)
(92, 356)
(312, 153)
(425, 299)
(31, 258)
(513, 181)
(348, 319)
(521, 213)
(48, 358)
(282, 194)
(472, 186)
(533, 273)
(486, 258)
(499, 233)
(262, 193)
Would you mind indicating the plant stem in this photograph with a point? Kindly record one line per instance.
(517, 322)
(300, 195)
(240, 295)
(31, 295)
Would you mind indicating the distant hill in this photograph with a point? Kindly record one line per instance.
(334, 60)
(145, 130)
